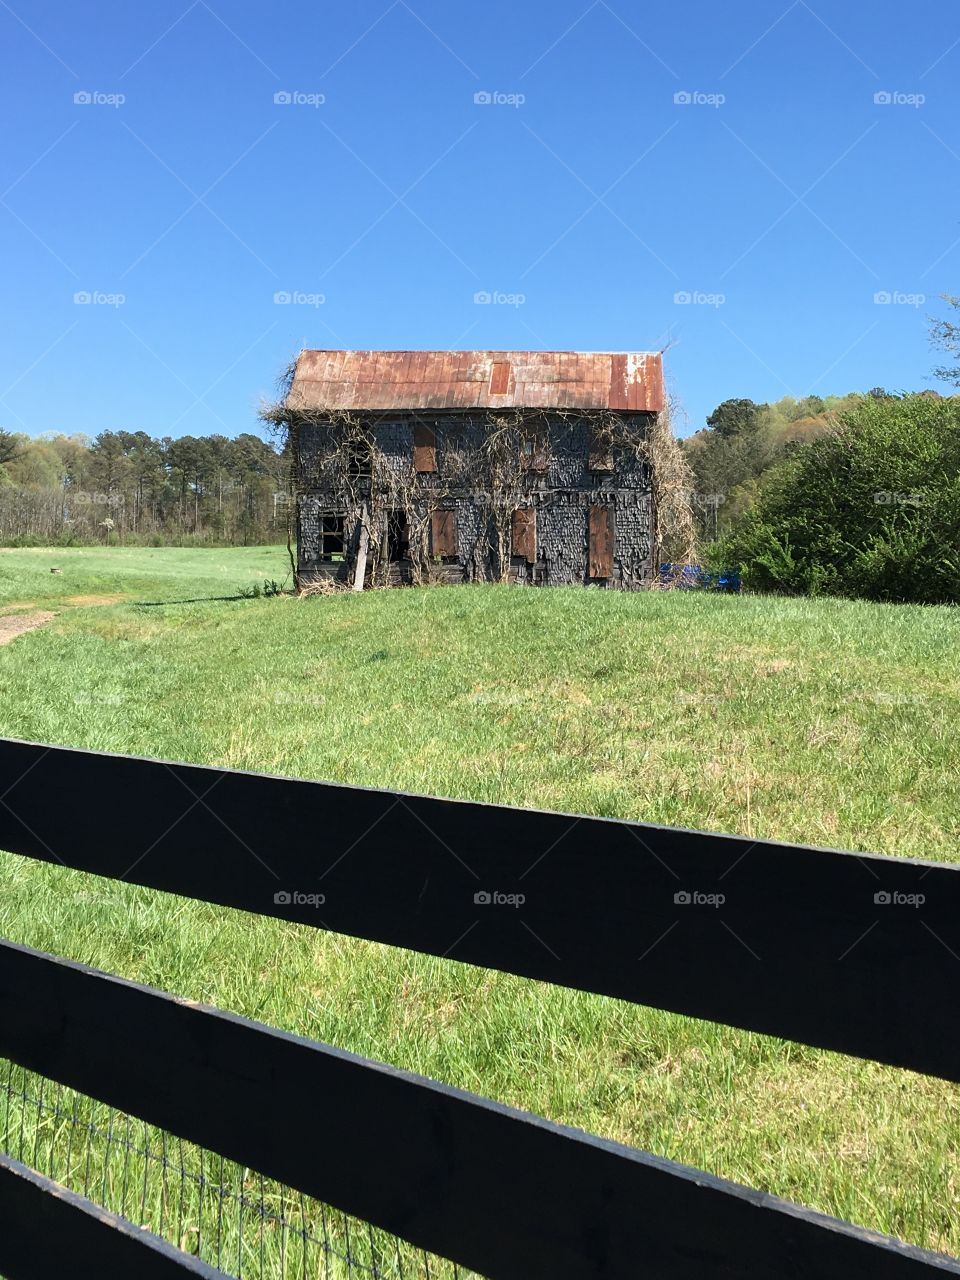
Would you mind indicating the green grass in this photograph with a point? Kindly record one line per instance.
(141, 573)
(830, 722)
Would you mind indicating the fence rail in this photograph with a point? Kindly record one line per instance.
(47, 1232)
(850, 952)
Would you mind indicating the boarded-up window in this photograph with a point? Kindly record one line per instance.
(536, 449)
(601, 542)
(443, 535)
(524, 537)
(424, 447)
(500, 378)
(601, 451)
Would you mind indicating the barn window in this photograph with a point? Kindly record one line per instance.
(500, 378)
(398, 535)
(424, 448)
(601, 532)
(331, 536)
(524, 534)
(443, 535)
(601, 451)
(358, 459)
(534, 450)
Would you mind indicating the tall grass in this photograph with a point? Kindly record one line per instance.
(829, 722)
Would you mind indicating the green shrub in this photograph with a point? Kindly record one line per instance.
(870, 509)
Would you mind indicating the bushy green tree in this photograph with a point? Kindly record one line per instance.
(733, 417)
(871, 508)
(10, 447)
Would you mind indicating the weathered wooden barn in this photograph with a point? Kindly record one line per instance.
(528, 466)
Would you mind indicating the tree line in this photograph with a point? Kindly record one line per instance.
(856, 495)
(129, 487)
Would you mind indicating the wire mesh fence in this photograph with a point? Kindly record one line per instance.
(231, 1217)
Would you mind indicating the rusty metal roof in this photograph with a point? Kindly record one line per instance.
(478, 380)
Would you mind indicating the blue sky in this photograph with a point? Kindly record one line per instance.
(376, 197)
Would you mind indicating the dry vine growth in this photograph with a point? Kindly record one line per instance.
(673, 484)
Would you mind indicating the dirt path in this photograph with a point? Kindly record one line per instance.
(80, 601)
(15, 624)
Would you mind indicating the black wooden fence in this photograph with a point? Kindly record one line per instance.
(854, 953)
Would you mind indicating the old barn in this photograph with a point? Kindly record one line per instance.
(459, 466)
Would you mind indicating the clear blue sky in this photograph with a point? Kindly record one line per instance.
(584, 197)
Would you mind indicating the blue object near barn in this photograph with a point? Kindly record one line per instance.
(693, 577)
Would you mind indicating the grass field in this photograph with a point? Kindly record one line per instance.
(829, 722)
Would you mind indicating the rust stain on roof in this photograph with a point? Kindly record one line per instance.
(385, 380)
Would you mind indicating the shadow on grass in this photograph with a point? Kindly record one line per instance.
(160, 604)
